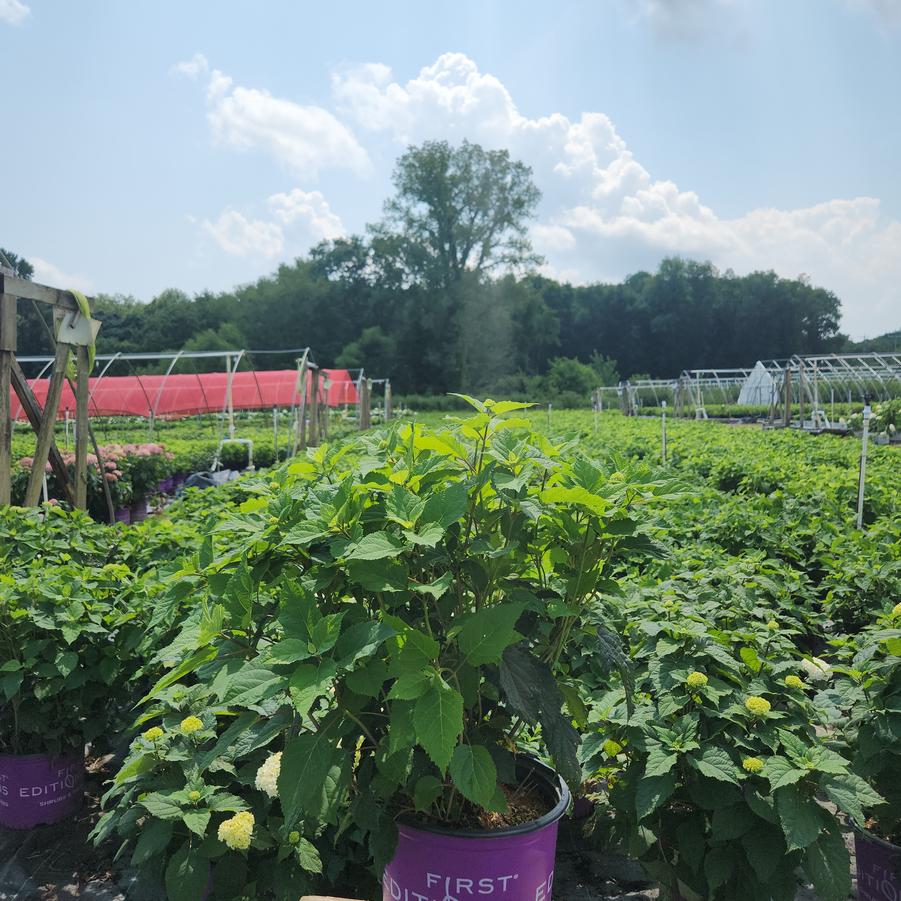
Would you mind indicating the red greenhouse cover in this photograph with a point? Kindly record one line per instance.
(190, 394)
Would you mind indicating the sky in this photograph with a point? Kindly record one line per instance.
(148, 145)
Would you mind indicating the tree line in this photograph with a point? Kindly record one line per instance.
(443, 295)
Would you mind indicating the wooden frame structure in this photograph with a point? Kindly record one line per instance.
(65, 308)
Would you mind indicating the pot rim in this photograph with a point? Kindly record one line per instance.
(532, 767)
(863, 832)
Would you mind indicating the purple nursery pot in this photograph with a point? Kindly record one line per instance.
(37, 789)
(513, 864)
(878, 867)
(123, 515)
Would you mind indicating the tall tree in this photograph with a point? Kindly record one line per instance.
(19, 265)
(457, 210)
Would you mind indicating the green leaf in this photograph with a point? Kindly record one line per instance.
(306, 761)
(309, 682)
(428, 789)
(153, 838)
(251, 685)
(749, 655)
(659, 761)
(361, 640)
(781, 771)
(500, 407)
(731, 822)
(438, 721)
(195, 661)
(304, 533)
(719, 865)
(474, 773)
(446, 507)
(428, 536)
(197, 820)
(411, 686)
(651, 792)
(765, 848)
(436, 589)
(575, 496)
(828, 865)
(187, 874)
(715, 763)
(376, 546)
(308, 856)
(488, 632)
(800, 815)
(852, 795)
(161, 806)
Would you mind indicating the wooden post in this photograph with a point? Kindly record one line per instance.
(365, 400)
(48, 425)
(7, 352)
(389, 402)
(300, 434)
(81, 428)
(787, 391)
(33, 411)
(314, 408)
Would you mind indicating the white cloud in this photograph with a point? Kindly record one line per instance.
(604, 215)
(299, 220)
(46, 273)
(240, 236)
(12, 12)
(194, 67)
(305, 139)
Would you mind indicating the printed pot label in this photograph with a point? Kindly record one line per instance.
(36, 789)
(878, 870)
(431, 867)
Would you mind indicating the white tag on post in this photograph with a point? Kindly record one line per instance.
(77, 329)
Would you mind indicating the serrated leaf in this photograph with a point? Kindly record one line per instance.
(427, 790)
(473, 772)
(765, 848)
(715, 763)
(719, 865)
(308, 856)
(438, 721)
(153, 838)
(161, 806)
(446, 507)
(852, 795)
(197, 820)
(187, 874)
(436, 589)
(659, 761)
(781, 771)
(306, 762)
(251, 685)
(828, 865)
(651, 792)
(376, 546)
(488, 632)
(801, 817)
(361, 640)
(308, 682)
(410, 686)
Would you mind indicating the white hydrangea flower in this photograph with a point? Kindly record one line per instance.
(817, 670)
(267, 775)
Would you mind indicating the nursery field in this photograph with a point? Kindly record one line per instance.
(326, 676)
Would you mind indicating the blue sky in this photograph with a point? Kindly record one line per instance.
(198, 145)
